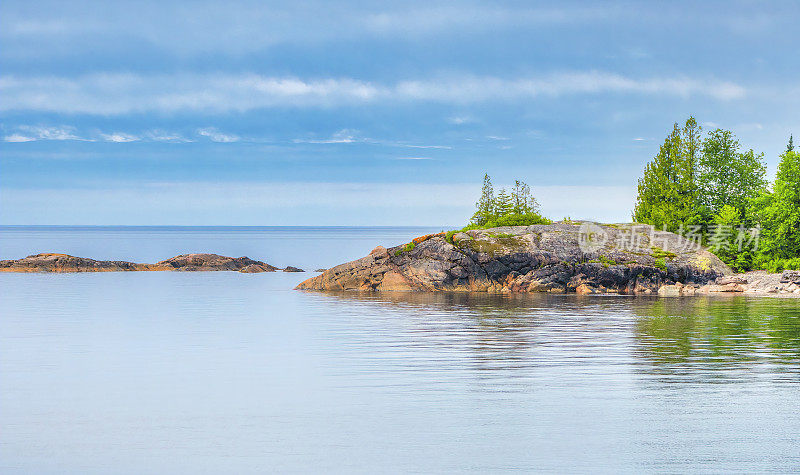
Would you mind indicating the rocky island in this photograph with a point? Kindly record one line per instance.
(52, 262)
(584, 258)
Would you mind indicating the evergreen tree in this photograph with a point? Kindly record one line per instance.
(727, 176)
(781, 230)
(790, 146)
(691, 149)
(504, 205)
(667, 190)
(523, 201)
(486, 203)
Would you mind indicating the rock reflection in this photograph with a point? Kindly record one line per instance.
(500, 342)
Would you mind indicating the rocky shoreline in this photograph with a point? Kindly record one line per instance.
(60, 263)
(564, 257)
(784, 284)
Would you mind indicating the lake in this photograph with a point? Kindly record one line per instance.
(222, 372)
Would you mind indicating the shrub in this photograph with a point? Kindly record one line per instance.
(407, 248)
(607, 262)
(526, 219)
(661, 263)
(657, 252)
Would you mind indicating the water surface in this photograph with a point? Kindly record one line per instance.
(167, 372)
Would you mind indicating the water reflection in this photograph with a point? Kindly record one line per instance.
(738, 335)
(701, 339)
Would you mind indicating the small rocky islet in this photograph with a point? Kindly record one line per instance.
(53, 262)
(563, 257)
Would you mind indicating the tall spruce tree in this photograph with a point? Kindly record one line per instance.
(504, 205)
(667, 192)
(485, 207)
(790, 145)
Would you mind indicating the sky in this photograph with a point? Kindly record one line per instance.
(370, 113)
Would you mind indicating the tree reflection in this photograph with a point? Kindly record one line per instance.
(718, 333)
(510, 335)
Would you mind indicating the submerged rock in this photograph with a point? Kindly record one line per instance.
(561, 257)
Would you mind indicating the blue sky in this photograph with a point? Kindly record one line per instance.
(368, 113)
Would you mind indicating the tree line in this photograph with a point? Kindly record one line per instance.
(712, 188)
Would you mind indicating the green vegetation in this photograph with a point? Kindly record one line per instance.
(448, 236)
(661, 263)
(494, 246)
(519, 208)
(607, 262)
(407, 248)
(711, 189)
(657, 252)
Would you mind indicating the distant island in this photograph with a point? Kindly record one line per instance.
(53, 262)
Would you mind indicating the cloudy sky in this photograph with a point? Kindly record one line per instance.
(362, 113)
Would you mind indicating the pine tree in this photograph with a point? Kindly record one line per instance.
(790, 146)
(660, 201)
(486, 203)
(691, 148)
(523, 201)
(504, 205)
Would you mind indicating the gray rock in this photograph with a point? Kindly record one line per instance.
(540, 258)
(293, 269)
(790, 276)
(731, 279)
(215, 262)
(50, 262)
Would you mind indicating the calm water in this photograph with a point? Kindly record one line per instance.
(236, 373)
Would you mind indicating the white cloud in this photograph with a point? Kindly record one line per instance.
(119, 137)
(437, 18)
(443, 147)
(112, 94)
(639, 139)
(473, 89)
(496, 137)
(18, 138)
(216, 136)
(30, 133)
(342, 136)
(413, 158)
(460, 120)
(158, 135)
(253, 26)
